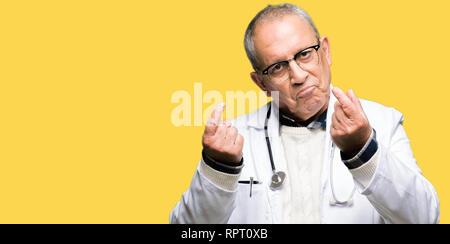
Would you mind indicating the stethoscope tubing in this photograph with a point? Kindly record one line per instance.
(333, 201)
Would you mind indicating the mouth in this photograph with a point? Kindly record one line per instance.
(305, 92)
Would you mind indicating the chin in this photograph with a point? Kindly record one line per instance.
(311, 108)
(304, 109)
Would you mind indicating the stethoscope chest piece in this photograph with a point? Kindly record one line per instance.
(277, 180)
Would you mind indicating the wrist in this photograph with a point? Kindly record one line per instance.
(226, 167)
(364, 155)
(357, 146)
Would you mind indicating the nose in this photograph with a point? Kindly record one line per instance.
(297, 75)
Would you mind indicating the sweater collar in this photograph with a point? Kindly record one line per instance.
(320, 122)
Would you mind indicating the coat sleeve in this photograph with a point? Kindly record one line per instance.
(210, 199)
(398, 190)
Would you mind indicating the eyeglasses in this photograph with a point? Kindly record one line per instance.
(307, 59)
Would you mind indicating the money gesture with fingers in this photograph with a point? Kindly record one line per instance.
(221, 141)
(350, 128)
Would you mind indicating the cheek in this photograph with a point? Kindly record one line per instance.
(324, 88)
(284, 90)
(284, 95)
(323, 83)
(326, 77)
(323, 75)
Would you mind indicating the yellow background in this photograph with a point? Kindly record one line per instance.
(85, 89)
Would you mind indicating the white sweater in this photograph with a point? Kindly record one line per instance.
(303, 151)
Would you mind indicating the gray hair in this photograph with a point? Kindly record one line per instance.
(272, 12)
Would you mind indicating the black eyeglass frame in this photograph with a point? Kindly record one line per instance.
(266, 70)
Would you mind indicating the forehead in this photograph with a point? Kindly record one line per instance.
(281, 38)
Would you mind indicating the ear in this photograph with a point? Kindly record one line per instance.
(325, 46)
(257, 78)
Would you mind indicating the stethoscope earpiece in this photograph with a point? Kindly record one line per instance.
(332, 202)
(347, 203)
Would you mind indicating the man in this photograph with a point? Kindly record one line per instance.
(277, 165)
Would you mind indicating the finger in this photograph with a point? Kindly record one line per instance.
(230, 137)
(341, 117)
(354, 98)
(216, 115)
(227, 123)
(210, 129)
(337, 106)
(359, 109)
(341, 97)
(350, 94)
(239, 142)
(221, 131)
(347, 104)
(334, 130)
(214, 120)
(334, 116)
(335, 123)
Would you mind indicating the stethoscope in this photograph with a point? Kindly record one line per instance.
(278, 177)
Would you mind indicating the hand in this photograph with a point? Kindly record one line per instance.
(350, 128)
(221, 141)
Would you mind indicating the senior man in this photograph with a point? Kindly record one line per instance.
(278, 164)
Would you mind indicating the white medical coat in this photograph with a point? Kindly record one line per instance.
(397, 192)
